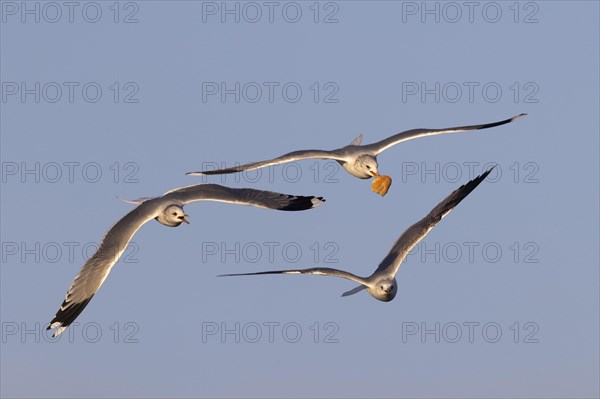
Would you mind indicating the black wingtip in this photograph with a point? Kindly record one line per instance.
(457, 196)
(470, 186)
(485, 174)
(302, 203)
(215, 172)
(68, 313)
(231, 275)
(504, 122)
(514, 118)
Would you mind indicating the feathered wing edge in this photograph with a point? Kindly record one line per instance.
(243, 196)
(67, 313)
(95, 271)
(380, 146)
(321, 271)
(289, 157)
(415, 233)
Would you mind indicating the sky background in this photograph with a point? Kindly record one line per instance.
(121, 99)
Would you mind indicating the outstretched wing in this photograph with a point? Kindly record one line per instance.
(290, 157)
(243, 196)
(320, 271)
(96, 269)
(415, 233)
(383, 145)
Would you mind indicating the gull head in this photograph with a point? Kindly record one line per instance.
(172, 216)
(365, 167)
(384, 289)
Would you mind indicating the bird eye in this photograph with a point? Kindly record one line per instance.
(174, 213)
(368, 167)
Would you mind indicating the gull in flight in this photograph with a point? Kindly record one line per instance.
(358, 160)
(382, 283)
(167, 210)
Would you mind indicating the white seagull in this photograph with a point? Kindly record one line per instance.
(382, 283)
(358, 160)
(167, 210)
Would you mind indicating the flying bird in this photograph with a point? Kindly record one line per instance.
(358, 160)
(167, 210)
(382, 283)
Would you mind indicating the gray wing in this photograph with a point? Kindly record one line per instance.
(96, 269)
(415, 233)
(290, 157)
(320, 271)
(243, 196)
(383, 145)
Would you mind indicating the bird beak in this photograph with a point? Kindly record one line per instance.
(374, 174)
(183, 219)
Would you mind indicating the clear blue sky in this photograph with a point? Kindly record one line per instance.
(101, 101)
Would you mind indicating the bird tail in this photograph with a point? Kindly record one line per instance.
(354, 290)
